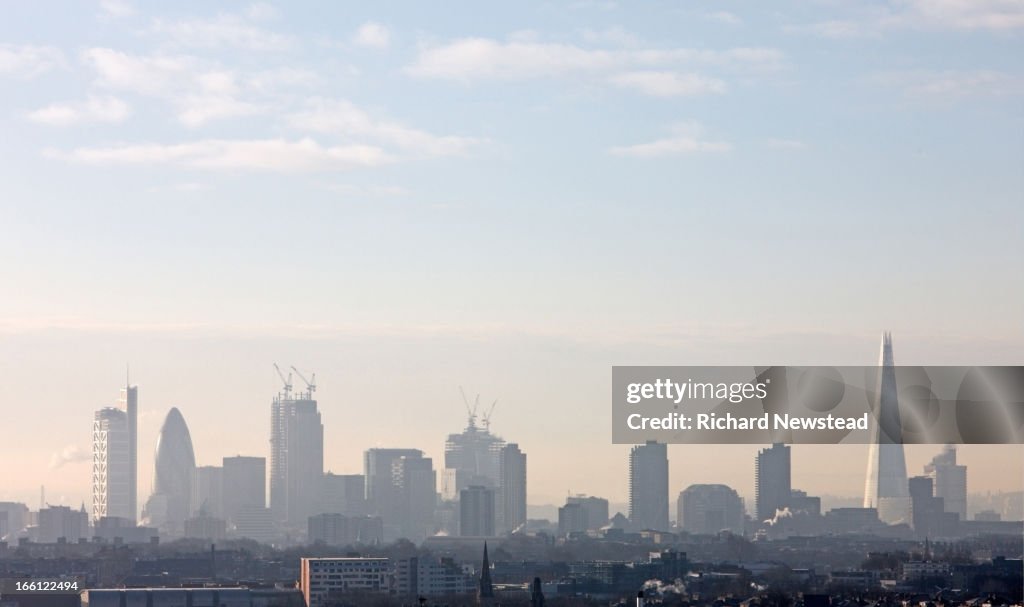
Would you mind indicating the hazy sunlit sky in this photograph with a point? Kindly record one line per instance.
(409, 197)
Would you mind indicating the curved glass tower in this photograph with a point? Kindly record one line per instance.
(170, 503)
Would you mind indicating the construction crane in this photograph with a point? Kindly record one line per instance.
(310, 383)
(487, 417)
(471, 411)
(286, 381)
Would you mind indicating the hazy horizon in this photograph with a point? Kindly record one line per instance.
(511, 198)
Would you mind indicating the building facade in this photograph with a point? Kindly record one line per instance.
(648, 486)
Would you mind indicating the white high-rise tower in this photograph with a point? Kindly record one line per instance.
(886, 484)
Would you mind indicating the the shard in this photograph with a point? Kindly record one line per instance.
(886, 484)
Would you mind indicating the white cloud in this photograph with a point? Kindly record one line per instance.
(27, 61)
(341, 117)
(261, 11)
(375, 191)
(117, 8)
(952, 84)
(723, 17)
(221, 31)
(685, 138)
(468, 59)
(277, 155)
(873, 20)
(94, 109)
(71, 454)
(199, 93)
(372, 35)
(785, 144)
(668, 84)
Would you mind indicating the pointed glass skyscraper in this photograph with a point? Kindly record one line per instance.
(886, 484)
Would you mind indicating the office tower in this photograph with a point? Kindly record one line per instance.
(573, 518)
(799, 501)
(473, 456)
(950, 481)
(476, 511)
(207, 491)
(596, 509)
(709, 509)
(383, 493)
(129, 401)
(61, 523)
(929, 517)
(209, 528)
(244, 486)
(344, 494)
(772, 483)
(512, 491)
(648, 486)
(885, 487)
(296, 455)
(111, 471)
(416, 484)
(340, 530)
(13, 520)
(171, 501)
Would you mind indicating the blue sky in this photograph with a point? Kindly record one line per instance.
(614, 182)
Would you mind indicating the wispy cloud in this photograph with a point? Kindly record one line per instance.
(785, 144)
(723, 17)
(117, 8)
(27, 61)
(199, 92)
(471, 59)
(94, 109)
(372, 35)
(948, 85)
(668, 84)
(942, 15)
(71, 454)
(277, 155)
(221, 31)
(342, 117)
(685, 138)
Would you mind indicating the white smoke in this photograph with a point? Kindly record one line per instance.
(71, 454)
(780, 514)
(659, 588)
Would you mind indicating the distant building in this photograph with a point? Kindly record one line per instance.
(322, 578)
(169, 597)
(62, 523)
(123, 530)
(950, 481)
(573, 518)
(383, 492)
(171, 501)
(431, 576)
(772, 485)
(13, 520)
(344, 494)
(111, 465)
(648, 486)
(799, 501)
(852, 520)
(512, 490)
(244, 486)
(208, 491)
(206, 527)
(885, 487)
(476, 511)
(340, 530)
(473, 457)
(416, 484)
(928, 515)
(255, 523)
(296, 456)
(595, 507)
(709, 509)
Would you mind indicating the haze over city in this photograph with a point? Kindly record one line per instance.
(511, 199)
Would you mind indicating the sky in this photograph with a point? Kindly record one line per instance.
(506, 197)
